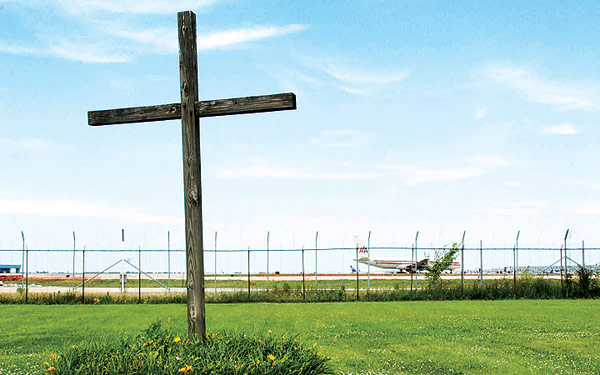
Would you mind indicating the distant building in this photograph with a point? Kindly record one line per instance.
(10, 268)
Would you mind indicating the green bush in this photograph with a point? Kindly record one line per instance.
(160, 351)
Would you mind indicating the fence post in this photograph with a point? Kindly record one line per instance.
(412, 273)
(566, 262)
(268, 235)
(316, 252)
(139, 274)
(562, 289)
(215, 263)
(248, 273)
(83, 277)
(303, 286)
(481, 261)
(515, 249)
(369, 264)
(462, 261)
(357, 276)
(73, 274)
(23, 260)
(169, 261)
(415, 265)
(27, 275)
(583, 254)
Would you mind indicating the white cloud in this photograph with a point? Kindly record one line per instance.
(584, 208)
(16, 50)
(80, 208)
(561, 129)
(522, 208)
(363, 76)
(342, 138)
(87, 52)
(27, 144)
(424, 175)
(490, 160)
(563, 95)
(228, 38)
(277, 172)
(480, 113)
(131, 6)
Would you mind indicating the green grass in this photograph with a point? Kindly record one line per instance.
(475, 337)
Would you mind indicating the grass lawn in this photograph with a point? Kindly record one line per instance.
(475, 337)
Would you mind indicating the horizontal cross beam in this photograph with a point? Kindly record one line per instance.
(206, 108)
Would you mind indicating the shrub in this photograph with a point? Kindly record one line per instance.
(160, 351)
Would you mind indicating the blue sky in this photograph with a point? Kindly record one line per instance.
(431, 116)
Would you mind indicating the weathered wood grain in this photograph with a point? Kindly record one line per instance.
(206, 108)
(192, 186)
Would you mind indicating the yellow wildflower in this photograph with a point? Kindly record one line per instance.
(185, 369)
(73, 346)
(50, 368)
(46, 364)
(269, 332)
(213, 335)
(261, 341)
(145, 344)
(53, 355)
(271, 357)
(315, 345)
(176, 339)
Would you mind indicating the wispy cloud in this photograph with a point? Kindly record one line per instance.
(563, 95)
(522, 208)
(87, 52)
(561, 129)
(27, 144)
(131, 6)
(490, 160)
(16, 50)
(79, 209)
(413, 175)
(342, 138)
(289, 173)
(480, 113)
(228, 38)
(356, 76)
(584, 208)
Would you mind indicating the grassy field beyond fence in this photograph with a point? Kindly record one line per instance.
(472, 337)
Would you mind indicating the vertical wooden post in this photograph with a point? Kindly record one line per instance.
(190, 125)
(357, 276)
(303, 286)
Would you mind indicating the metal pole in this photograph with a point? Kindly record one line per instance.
(139, 274)
(73, 274)
(412, 258)
(169, 260)
(566, 261)
(248, 273)
(316, 252)
(517, 251)
(27, 275)
(303, 286)
(369, 264)
(23, 260)
(416, 262)
(515, 264)
(268, 235)
(83, 277)
(462, 261)
(357, 273)
(123, 263)
(215, 263)
(481, 261)
(583, 254)
(562, 289)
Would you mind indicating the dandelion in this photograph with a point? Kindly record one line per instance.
(176, 339)
(185, 369)
(73, 346)
(53, 355)
(50, 369)
(269, 332)
(145, 344)
(46, 364)
(213, 335)
(271, 357)
(261, 341)
(314, 345)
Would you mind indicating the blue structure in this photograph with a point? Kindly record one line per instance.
(10, 268)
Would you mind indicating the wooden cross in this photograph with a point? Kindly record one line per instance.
(189, 111)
